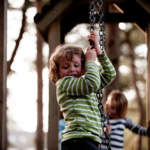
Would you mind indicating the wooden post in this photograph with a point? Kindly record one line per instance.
(148, 80)
(3, 72)
(53, 41)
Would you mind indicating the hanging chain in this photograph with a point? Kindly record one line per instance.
(100, 4)
(97, 11)
(92, 14)
(96, 14)
(92, 18)
(104, 118)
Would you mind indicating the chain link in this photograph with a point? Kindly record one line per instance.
(104, 118)
(96, 14)
(92, 13)
(97, 11)
(100, 5)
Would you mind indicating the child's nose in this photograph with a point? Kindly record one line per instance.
(71, 68)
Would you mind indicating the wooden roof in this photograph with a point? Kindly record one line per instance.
(72, 12)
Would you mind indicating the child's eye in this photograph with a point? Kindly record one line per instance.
(76, 65)
(65, 67)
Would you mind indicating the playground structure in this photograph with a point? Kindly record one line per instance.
(54, 22)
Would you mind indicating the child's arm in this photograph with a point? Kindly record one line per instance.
(109, 72)
(137, 128)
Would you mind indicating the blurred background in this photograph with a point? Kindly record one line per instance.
(24, 60)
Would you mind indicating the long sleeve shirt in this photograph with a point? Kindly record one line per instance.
(117, 132)
(77, 100)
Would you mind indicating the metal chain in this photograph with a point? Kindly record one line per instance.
(97, 10)
(96, 13)
(92, 13)
(104, 118)
(100, 4)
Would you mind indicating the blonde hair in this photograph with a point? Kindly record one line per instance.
(121, 102)
(64, 51)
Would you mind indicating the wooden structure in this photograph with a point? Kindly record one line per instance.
(60, 16)
(3, 74)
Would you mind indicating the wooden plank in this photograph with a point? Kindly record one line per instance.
(3, 73)
(55, 12)
(53, 41)
(148, 80)
(105, 1)
(145, 4)
(124, 17)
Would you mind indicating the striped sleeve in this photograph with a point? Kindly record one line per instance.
(86, 84)
(136, 128)
(108, 73)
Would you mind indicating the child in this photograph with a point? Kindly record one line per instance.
(77, 78)
(116, 108)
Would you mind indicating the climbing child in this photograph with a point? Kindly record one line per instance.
(116, 108)
(77, 78)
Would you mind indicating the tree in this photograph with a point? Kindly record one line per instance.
(39, 67)
(134, 83)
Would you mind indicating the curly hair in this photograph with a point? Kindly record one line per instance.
(64, 51)
(121, 102)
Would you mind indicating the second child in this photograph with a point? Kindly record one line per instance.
(116, 108)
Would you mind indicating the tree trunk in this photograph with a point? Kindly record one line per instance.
(3, 74)
(18, 40)
(39, 63)
(138, 97)
(39, 66)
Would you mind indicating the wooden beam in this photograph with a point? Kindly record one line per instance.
(145, 4)
(133, 16)
(53, 41)
(148, 80)
(105, 1)
(124, 17)
(3, 73)
(53, 14)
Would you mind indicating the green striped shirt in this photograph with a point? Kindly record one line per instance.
(78, 102)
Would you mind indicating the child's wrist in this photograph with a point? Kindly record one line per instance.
(102, 55)
(100, 52)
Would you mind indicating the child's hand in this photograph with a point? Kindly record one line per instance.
(108, 129)
(148, 128)
(95, 38)
(90, 54)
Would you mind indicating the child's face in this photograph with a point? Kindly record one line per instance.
(111, 108)
(70, 68)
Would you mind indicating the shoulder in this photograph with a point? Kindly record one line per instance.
(128, 120)
(115, 121)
